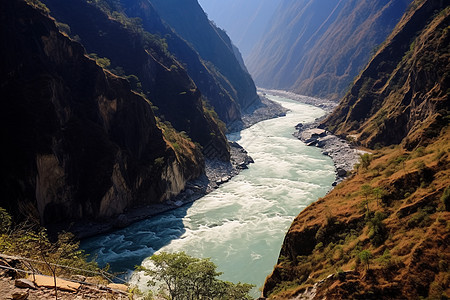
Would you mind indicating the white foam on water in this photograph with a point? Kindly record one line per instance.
(241, 225)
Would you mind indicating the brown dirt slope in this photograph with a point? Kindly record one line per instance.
(404, 90)
(384, 232)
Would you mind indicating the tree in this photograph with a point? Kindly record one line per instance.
(31, 242)
(377, 229)
(378, 192)
(5, 221)
(365, 160)
(188, 278)
(366, 192)
(365, 257)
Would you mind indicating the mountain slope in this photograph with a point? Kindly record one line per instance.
(214, 46)
(110, 34)
(78, 142)
(244, 21)
(402, 95)
(383, 233)
(208, 81)
(317, 47)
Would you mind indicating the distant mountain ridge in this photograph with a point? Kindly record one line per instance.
(317, 47)
(244, 21)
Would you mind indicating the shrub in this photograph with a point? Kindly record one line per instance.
(365, 160)
(365, 257)
(445, 198)
(377, 229)
(184, 277)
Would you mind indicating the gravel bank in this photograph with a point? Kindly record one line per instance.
(217, 172)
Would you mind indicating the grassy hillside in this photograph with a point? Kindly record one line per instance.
(397, 209)
(383, 233)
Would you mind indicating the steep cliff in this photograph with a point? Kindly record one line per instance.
(317, 47)
(123, 41)
(245, 21)
(210, 82)
(77, 141)
(402, 95)
(190, 22)
(383, 233)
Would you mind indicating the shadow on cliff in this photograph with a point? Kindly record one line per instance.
(126, 248)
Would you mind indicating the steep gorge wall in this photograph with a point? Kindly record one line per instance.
(402, 95)
(189, 20)
(164, 80)
(382, 233)
(317, 47)
(214, 86)
(78, 143)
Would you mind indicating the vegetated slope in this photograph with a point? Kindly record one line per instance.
(131, 49)
(402, 96)
(384, 232)
(188, 19)
(317, 47)
(77, 141)
(244, 21)
(207, 80)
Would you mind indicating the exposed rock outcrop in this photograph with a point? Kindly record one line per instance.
(402, 96)
(109, 33)
(382, 233)
(78, 143)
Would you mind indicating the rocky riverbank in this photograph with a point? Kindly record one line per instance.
(325, 104)
(217, 172)
(343, 154)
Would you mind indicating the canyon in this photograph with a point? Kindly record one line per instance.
(113, 107)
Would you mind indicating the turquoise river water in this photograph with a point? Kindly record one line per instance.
(241, 225)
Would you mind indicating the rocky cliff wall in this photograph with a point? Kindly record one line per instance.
(402, 95)
(164, 80)
(189, 20)
(381, 234)
(78, 143)
(214, 87)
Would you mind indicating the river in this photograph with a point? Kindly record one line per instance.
(241, 225)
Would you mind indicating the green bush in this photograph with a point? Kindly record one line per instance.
(185, 277)
(32, 242)
(377, 229)
(445, 198)
(365, 160)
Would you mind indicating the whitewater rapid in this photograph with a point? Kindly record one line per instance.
(241, 225)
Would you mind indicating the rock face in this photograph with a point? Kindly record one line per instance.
(317, 47)
(245, 21)
(212, 84)
(187, 18)
(384, 230)
(78, 143)
(109, 33)
(402, 95)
